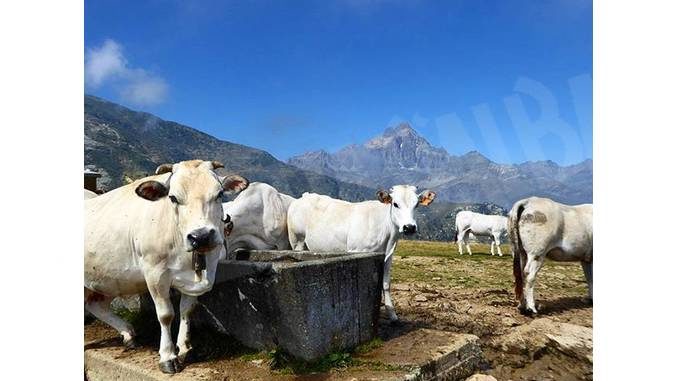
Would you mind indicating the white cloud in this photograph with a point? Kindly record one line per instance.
(107, 65)
(144, 89)
(104, 63)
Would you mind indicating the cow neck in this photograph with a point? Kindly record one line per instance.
(389, 221)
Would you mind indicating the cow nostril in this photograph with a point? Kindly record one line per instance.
(191, 238)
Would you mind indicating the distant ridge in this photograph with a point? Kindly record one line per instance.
(401, 155)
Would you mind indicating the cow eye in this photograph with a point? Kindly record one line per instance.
(396, 205)
(174, 199)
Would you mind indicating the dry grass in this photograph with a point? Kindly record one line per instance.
(444, 266)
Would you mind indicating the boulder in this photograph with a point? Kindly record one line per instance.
(544, 334)
(481, 377)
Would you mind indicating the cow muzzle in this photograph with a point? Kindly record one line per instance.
(409, 229)
(202, 240)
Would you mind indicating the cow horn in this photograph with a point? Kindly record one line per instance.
(217, 164)
(164, 168)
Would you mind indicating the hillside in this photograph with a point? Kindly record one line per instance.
(121, 143)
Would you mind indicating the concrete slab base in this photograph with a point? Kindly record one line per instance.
(422, 354)
(430, 355)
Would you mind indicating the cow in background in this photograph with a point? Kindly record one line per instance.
(468, 222)
(258, 219)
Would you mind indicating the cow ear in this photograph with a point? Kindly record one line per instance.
(383, 196)
(164, 168)
(217, 164)
(152, 190)
(234, 184)
(426, 197)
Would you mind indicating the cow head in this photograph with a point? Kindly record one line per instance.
(195, 193)
(402, 200)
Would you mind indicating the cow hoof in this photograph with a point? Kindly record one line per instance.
(186, 357)
(527, 311)
(171, 366)
(130, 344)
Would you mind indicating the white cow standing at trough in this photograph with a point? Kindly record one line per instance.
(323, 224)
(540, 228)
(468, 222)
(157, 233)
(260, 212)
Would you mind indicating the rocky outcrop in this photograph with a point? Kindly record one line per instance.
(544, 334)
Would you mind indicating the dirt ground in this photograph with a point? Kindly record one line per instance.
(434, 287)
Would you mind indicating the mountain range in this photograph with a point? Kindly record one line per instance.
(401, 156)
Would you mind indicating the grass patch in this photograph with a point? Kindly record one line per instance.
(283, 363)
(445, 249)
(369, 346)
(439, 264)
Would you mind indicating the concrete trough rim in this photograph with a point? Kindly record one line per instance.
(324, 257)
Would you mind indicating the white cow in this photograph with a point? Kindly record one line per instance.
(468, 222)
(160, 232)
(89, 194)
(540, 228)
(321, 223)
(260, 219)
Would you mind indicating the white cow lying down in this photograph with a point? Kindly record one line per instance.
(321, 223)
(540, 228)
(467, 222)
(142, 237)
(260, 215)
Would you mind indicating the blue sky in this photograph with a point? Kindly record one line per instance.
(511, 79)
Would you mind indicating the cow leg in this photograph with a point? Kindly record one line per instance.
(388, 303)
(588, 274)
(159, 288)
(297, 241)
(100, 306)
(465, 238)
(497, 243)
(186, 306)
(492, 247)
(459, 242)
(534, 264)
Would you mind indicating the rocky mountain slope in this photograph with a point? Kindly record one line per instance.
(124, 144)
(400, 155)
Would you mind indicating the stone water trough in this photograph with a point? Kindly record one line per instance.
(307, 304)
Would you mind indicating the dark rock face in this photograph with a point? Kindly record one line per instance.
(400, 155)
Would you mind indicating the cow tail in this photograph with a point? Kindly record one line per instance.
(517, 246)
